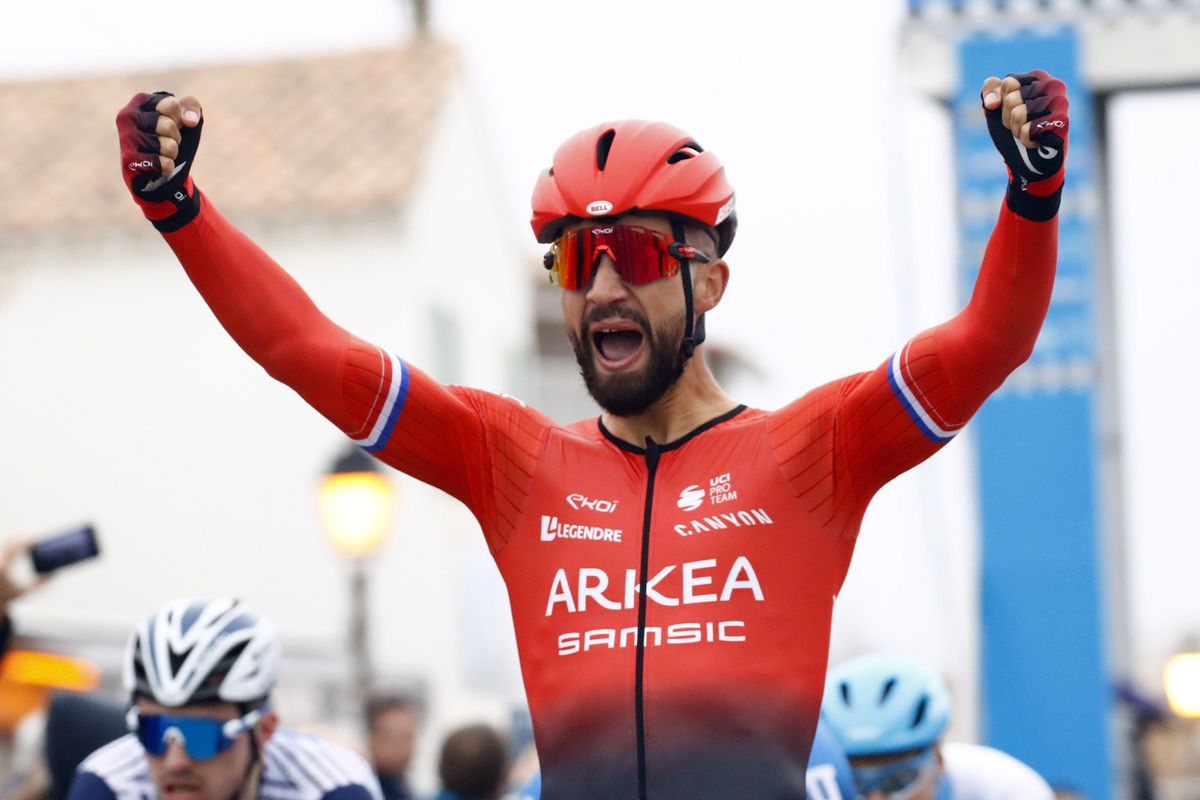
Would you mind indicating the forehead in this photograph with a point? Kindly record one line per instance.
(395, 716)
(652, 221)
(205, 710)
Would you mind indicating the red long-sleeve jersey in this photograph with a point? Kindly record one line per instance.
(672, 603)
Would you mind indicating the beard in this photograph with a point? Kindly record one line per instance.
(633, 391)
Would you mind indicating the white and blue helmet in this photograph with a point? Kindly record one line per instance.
(202, 651)
(881, 704)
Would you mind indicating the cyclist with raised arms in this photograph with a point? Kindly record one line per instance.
(199, 674)
(889, 712)
(672, 566)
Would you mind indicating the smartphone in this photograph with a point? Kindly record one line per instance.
(58, 551)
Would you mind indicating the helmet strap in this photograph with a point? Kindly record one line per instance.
(693, 329)
(255, 754)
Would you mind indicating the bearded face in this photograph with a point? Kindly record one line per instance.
(626, 364)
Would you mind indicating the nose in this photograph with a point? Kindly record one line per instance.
(176, 757)
(876, 795)
(606, 287)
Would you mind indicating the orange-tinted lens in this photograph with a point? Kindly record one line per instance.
(640, 255)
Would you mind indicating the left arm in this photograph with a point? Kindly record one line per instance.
(837, 445)
(895, 417)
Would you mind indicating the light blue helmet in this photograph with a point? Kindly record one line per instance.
(881, 704)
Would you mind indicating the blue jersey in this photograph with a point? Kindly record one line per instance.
(531, 790)
(296, 766)
(829, 776)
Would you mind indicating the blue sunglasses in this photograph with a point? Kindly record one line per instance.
(897, 780)
(201, 737)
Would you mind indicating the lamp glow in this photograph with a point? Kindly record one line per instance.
(1182, 680)
(355, 509)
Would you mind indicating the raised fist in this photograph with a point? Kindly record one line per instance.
(1028, 123)
(159, 135)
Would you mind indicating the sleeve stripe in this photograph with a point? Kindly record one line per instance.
(908, 398)
(381, 431)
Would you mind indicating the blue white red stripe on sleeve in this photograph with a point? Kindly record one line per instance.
(393, 391)
(915, 403)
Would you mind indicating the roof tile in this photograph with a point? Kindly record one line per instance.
(300, 139)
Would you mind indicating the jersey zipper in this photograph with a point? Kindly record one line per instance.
(639, 704)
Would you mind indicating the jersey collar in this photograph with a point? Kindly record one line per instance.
(633, 448)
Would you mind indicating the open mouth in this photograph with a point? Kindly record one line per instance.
(617, 343)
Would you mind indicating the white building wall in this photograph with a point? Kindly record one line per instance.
(126, 404)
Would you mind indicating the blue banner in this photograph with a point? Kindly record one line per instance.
(1045, 677)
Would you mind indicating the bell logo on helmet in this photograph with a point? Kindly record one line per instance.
(725, 211)
(599, 207)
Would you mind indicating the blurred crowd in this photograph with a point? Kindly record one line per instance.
(41, 754)
(64, 748)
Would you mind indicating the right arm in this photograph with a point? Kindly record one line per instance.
(435, 433)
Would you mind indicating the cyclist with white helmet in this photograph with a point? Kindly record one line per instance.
(199, 676)
(889, 712)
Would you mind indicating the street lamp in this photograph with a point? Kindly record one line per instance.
(355, 502)
(1182, 680)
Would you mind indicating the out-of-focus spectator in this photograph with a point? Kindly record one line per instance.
(24, 777)
(473, 764)
(200, 676)
(76, 725)
(392, 724)
(10, 588)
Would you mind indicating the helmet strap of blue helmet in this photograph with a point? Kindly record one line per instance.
(693, 329)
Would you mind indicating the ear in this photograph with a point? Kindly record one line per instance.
(708, 285)
(265, 728)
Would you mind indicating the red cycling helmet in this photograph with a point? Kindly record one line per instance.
(620, 167)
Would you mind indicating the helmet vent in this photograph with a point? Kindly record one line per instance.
(176, 661)
(919, 714)
(845, 687)
(887, 689)
(689, 150)
(603, 145)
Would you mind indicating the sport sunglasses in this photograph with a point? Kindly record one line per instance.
(898, 780)
(640, 255)
(201, 737)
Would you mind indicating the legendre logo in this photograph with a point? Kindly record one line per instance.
(553, 529)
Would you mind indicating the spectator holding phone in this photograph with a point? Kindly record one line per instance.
(10, 587)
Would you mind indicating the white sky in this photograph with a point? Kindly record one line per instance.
(845, 196)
